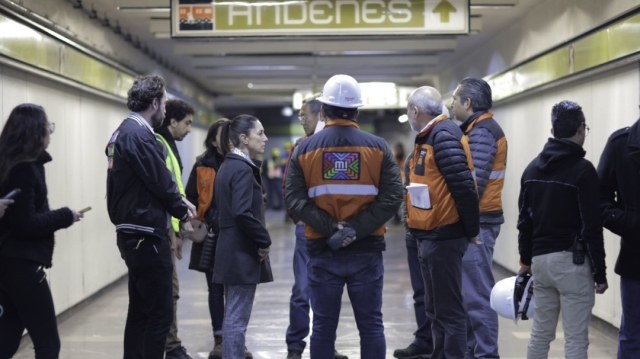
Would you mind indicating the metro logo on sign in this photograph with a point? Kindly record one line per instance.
(324, 17)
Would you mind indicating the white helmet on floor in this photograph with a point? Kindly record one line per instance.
(341, 91)
(512, 298)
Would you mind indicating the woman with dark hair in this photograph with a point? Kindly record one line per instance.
(200, 192)
(26, 234)
(241, 259)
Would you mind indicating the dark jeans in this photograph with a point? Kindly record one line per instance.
(26, 303)
(299, 304)
(216, 303)
(150, 315)
(423, 336)
(274, 193)
(629, 336)
(363, 274)
(239, 303)
(441, 263)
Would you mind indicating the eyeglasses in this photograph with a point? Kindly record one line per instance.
(51, 127)
(302, 118)
(586, 130)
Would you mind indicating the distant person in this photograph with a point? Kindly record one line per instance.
(272, 168)
(442, 215)
(27, 234)
(344, 185)
(175, 127)
(619, 172)
(311, 121)
(4, 203)
(560, 240)
(142, 197)
(241, 259)
(471, 105)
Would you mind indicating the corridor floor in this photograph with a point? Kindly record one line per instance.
(96, 331)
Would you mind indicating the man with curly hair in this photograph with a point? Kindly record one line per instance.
(141, 199)
(175, 127)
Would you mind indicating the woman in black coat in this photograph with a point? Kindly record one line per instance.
(26, 235)
(241, 260)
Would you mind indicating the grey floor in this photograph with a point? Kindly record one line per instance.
(96, 331)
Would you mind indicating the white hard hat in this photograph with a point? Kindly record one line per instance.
(341, 91)
(512, 298)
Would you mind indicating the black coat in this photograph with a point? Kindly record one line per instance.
(26, 230)
(558, 200)
(619, 171)
(238, 196)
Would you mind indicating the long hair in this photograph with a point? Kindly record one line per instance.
(232, 130)
(211, 136)
(22, 138)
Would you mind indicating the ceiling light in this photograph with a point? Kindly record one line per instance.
(491, 6)
(250, 85)
(143, 9)
(404, 118)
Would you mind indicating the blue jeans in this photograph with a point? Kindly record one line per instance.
(239, 303)
(629, 336)
(477, 282)
(299, 304)
(441, 263)
(216, 303)
(363, 274)
(423, 336)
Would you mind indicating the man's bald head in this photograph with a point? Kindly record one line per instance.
(425, 103)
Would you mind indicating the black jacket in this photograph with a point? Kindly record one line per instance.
(238, 196)
(26, 230)
(619, 171)
(140, 189)
(211, 216)
(558, 200)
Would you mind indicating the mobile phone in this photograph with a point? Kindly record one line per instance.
(84, 210)
(12, 194)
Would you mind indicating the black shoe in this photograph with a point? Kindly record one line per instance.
(413, 352)
(340, 356)
(178, 353)
(294, 354)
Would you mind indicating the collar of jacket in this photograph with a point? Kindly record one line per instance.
(43, 158)
(634, 143)
(425, 131)
(233, 156)
(341, 122)
(467, 125)
(213, 160)
(164, 132)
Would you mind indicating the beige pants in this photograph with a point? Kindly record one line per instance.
(172, 338)
(561, 286)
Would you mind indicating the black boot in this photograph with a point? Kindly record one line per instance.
(413, 352)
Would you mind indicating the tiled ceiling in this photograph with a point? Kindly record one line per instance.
(250, 71)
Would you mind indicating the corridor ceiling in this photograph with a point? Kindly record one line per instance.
(265, 71)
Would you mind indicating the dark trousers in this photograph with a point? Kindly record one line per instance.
(441, 263)
(299, 304)
(422, 336)
(26, 302)
(216, 303)
(150, 315)
(363, 275)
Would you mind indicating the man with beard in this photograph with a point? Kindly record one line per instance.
(141, 199)
(175, 127)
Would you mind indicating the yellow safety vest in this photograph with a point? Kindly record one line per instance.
(174, 168)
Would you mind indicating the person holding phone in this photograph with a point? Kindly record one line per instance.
(27, 234)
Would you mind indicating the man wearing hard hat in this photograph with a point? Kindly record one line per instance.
(344, 184)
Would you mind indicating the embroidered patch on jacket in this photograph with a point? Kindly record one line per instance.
(110, 162)
(114, 137)
(341, 166)
(111, 150)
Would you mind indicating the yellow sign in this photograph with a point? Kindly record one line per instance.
(206, 18)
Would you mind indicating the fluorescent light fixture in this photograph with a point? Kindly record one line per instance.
(143, 9)
(403, 118)
(491, 6)
(251, 68)
(375, 95)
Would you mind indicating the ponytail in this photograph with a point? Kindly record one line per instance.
(225, 137)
